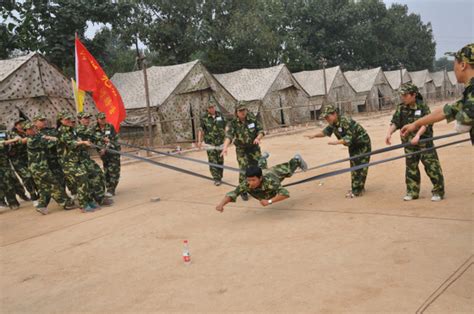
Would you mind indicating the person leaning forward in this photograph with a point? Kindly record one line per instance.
(246, 132)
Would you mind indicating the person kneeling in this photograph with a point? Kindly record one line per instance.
(265, 185)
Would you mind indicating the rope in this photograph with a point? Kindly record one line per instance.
(370, 164)
(183, 157)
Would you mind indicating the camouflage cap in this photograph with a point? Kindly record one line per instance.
(3, 127)
(101, 115)
(19, 120)
(27, 125)
(39, 117)
(329, 109)
(211, 103)
(83, 114)
(240, 106)
(465, 54)
(68, 116)
(408, 88)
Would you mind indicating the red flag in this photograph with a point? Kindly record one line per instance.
(90, 77)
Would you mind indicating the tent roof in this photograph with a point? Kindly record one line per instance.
(7, 67)
(438, 78)
(420, 78)
(313, 81)
(393, 77)
(452, 77)
(249, 84)
(363, 80)
(162, 81)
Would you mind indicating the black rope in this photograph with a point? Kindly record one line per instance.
(183, 157)
(162, 164)
(383, 150)
(370, 164)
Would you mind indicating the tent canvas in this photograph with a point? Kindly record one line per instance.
(458, 88)
(271, 93)
(178, 96)
(394, 78)
(443, 85)
(423, 80)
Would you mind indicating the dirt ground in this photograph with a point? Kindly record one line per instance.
(316, 252)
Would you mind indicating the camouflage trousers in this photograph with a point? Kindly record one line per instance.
(48, 187)
(19, 188)
(111, 163)
(21, 168)
(214, 156)
(247, 157)
(57, 170)
(96, 180)
(432, 167)
(7, 185)
(358, 177)
(284, 170)
(77, 174)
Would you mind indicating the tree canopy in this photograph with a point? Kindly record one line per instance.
(225, 34)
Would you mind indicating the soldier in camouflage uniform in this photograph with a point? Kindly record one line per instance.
(45, 181)
(7, 175)
(351, 134)
(107, 137)
(95, 174)
(18, 156)
(265, 185)
(412, 109)
(246, 132)
(40, 123)
(69, 151)
(212, 126)
(462, 111)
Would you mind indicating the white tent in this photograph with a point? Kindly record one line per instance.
(458, 88)
(423, 80)
(179, 94)
(30, 85)
(373, 89)
(272, 93)
(443, 85)
(339, 91)
(394, 78)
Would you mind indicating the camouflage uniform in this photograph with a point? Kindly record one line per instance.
(38, 149)
(357, 140)
(73, 166)
(95, 174)
(243, 134)
(214, 134)
(408, 114)
(7, 175)
(463, 110)
(271, 183)
(18, 155)
(110, 161)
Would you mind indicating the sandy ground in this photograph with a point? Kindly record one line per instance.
(316, 252)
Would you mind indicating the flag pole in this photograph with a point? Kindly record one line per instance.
(142, 62)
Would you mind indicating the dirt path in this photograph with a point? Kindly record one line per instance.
(316, 252)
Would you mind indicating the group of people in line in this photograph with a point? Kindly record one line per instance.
(56, 163)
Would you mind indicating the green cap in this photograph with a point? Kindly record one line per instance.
(3, 127)
(19, 120)
(211, 103)
(329, 109)
(68, 116)
(240, 105)
(27, 125)
(83, 114)
(39, 117)
(466, 54)
(101, 115)
(408, 88)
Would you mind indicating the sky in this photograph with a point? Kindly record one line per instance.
(452, 21)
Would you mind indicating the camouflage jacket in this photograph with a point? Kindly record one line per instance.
(348, 130)
(408, 114)
(244, 133)
(109, 132)
(38, 150)
(68, 149)
(463, 109)
(270, 187)
(4, 149)
(213, 128)
(85, 133)
(17, 150)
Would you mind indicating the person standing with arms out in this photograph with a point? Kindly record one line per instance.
(462, 110)
(351, 134)
(246, 132)
(412, 109)
(212, 129)
(108, 138)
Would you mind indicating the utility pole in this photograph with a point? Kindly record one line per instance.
(141, 61)
(401, 74)
(323, 61)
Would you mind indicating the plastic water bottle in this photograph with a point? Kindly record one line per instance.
(186, 254)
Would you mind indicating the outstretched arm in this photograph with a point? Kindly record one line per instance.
(226, 200)
(436, 116)
(276, 199)
(318, 134)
